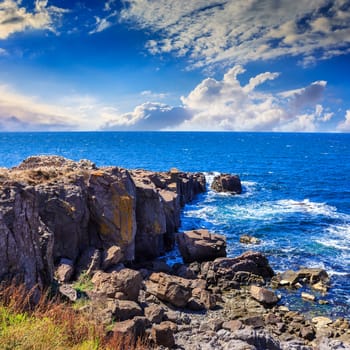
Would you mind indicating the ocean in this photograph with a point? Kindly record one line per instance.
(296, 196)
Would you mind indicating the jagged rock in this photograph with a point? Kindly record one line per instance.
(112, 203)
(125, 281)
(201, 245)
(247, 239)
(154, 313)
(160, 197)
(163, 334)
(263, 295)
(260, 339)
(172, 289)
(227, 183)
(26, 243)
(226, 272)
(65, 270)
(313, 276)
(113, 256)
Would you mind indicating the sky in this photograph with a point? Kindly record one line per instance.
(230, 65)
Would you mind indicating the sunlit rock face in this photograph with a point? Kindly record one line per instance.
(52, 208)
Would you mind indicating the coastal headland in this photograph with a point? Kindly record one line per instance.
(63, 222)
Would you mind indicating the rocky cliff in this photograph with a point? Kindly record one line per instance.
(54, 210)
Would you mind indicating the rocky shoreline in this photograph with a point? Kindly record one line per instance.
(95, 235)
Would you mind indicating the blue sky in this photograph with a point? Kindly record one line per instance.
(252, 65)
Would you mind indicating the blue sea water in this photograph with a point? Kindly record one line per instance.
(296, 195)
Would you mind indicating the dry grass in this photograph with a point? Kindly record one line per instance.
(52, 324)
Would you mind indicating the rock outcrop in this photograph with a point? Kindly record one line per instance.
(201, 245)
(52, 208)
(227, 183)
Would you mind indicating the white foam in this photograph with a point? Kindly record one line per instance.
(306, 206)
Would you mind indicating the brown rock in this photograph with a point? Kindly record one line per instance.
(126, 281)
(201, 245)
(233, 325)
(162, 334)
(227, 183)
(308, 296)
(307, 333)
(135, 327)
(113, 256)
(154, 313)
(126, 310)
(172, 289)
(263, 295)
(64, 271)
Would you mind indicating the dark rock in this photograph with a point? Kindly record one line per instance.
(227, 183)
(222, 271)
(201, 245)
(307, 333)
(126, 310)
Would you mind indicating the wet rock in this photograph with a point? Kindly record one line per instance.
(247, 239)
(201, 245)
(227, 183)
(263, 295)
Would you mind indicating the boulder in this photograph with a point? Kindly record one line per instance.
(172, 289)
(154, 313)
(227, 183)
(134, 328)
(113, 255)
(228, 272)
(201, 245)
(163, 334)
(64, 270)
(126, 281)
(126, 310)
(263, 295)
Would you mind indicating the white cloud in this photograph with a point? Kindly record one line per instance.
(104, 23)
(148, 116)
(3, 52)
(19, 112)
(16, 18)
(345, 124)
(233, 31)
(228, 105)
(154, 95)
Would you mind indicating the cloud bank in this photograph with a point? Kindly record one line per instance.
(226, 104)
(209, 32)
